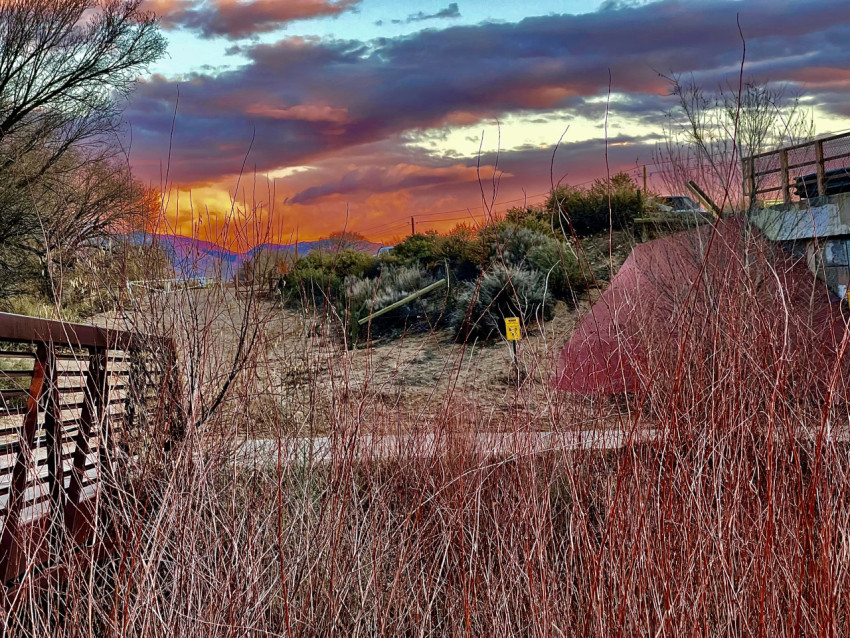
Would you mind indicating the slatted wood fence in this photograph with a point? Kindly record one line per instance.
(69, 393)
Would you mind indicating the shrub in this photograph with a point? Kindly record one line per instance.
(322, 273)
(559, 267)
(420, 248)
(587, 210)
(374, 293)
(463, 251)
(513, 244)
(371, 294)
(555, 261)
(501, 292)
(536, 218)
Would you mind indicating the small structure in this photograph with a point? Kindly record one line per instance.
(799, 196)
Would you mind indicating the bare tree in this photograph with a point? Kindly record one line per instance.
(66, 67)
(708, 133)
(77, 206)
(63, 66)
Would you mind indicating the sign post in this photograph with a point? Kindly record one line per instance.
(513, 332)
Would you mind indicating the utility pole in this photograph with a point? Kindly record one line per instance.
(644, 178)
(412, 226)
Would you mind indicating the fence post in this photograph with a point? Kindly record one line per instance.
(786, 187)
(53, 445)
(821, 169)
(91, 420)
(11, 551)
(176, 431)
(751, 164)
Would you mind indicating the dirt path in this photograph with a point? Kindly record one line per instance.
(482, 445)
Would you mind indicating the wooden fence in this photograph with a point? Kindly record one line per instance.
(803, 170)
(68, 395)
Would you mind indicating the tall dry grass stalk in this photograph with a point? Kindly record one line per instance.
(724, 511)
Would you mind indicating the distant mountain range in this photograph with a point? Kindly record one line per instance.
(195, 258)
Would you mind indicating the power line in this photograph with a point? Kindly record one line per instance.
(425, 213)
(401, 224)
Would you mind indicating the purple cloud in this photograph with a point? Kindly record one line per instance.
(302, 100)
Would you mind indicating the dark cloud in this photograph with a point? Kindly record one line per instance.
(450, 12)
(306, 99)
(235, 19)
(616, 5)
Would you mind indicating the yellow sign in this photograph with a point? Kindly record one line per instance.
(512, 330)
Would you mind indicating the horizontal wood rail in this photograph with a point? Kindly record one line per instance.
(69, 394)
(813, 161)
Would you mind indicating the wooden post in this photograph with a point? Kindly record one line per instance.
(821, 169)
(91, 421)
(12, 554)
(408, 299)
(176, 418)
(786, 187)
(701, 195)
(516, 364)
(53, 444)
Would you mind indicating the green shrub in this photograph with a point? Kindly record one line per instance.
(371, 294)
(420, 248)
(523, 247)
(559, 266)
(463, 251)
(322, 273)
(536, 218)
(501, 292)
(513, 244)
(587, 210)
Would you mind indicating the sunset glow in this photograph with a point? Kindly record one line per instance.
(318, 115)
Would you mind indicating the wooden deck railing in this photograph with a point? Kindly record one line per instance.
(68, 394)
(804, 170)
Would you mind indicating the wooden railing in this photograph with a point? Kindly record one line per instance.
(804, 170)
(68, 395)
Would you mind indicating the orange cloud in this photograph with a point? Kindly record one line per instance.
(540, 97)
(381, 206)
(462, 118)
(303, 112)
(380, 179)
(239, 19)
(823, 76)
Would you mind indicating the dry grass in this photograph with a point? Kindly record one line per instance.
(733, 520)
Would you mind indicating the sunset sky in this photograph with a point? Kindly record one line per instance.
(359, 114)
